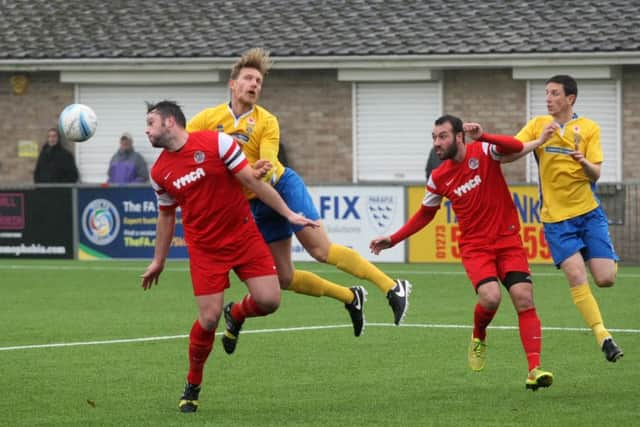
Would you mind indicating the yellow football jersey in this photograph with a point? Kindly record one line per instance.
(257, 131)
(566, 190)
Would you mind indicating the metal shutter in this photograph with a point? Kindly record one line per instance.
(392, 129)
(121, 108)
(598, 100)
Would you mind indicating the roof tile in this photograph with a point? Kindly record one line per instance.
(59, 29)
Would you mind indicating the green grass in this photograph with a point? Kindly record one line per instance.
(412, 375)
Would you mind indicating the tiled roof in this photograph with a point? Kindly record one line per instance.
(88, 29)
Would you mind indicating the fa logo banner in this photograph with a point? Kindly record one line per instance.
(380, 210)
(101, 222)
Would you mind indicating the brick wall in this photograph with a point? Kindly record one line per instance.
(314, 111)
(631, 123)
(27, 117)
(315, 116)
(493, 99)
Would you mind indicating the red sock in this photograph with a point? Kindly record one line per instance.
(200, 345)
(246, 308)
(531, 336)
(481, 319)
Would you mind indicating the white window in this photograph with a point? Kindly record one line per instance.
(392, 129)
(598, 100)
(122, 108)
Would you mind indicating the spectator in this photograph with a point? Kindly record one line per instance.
(282, 155)
(55, 163)
(127, 165)
(433, 161)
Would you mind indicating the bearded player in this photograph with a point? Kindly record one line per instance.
(203, 173)
(492, 251)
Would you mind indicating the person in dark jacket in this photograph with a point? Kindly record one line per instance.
(55, 163)
(432, 162)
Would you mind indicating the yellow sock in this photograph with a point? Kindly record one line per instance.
(307, 283)
(353, 263)
(588, 307)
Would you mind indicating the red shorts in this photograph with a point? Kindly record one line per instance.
(249, 257)
(487, 260)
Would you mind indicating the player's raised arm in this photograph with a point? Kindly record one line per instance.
(473, 130)
(505, 144)
(267, 194)
(418, 221)
(529, 146)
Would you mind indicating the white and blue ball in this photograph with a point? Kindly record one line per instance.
(77, 122)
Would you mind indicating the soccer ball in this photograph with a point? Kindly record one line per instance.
(77, 122)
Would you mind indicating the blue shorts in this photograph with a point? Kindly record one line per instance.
(587, 233)
(272, 225)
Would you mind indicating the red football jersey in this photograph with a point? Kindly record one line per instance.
(478, 193)
(200, 179)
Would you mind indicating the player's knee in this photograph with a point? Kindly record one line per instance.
(490, 302)
(319, 254)
(489, 294)
(519, 285)
(270, 307)
(606, 281)
(574, 271)
(523, 301)
(270, 304)
(209, 320)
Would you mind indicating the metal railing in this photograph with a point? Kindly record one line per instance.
(621, 202)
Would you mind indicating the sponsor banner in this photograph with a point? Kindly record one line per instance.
(353, 215)
(36, 223)
(438, 242)
(120, 222)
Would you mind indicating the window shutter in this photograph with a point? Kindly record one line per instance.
(393, 123)
(122, 108)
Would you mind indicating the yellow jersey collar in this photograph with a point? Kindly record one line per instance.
(241, 116)
(573, 117)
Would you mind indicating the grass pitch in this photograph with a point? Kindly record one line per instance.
(83, 345)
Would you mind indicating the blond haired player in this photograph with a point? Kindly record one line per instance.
(258, 132)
